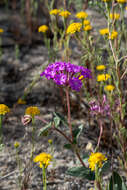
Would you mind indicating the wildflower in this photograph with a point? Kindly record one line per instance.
(26, 119)
(16, 144)
(88, 27)
(64, 74)
(106, 0)
(74, 27)
(4, 109)
(1, 30)
(20, 101)
(54, 12)
(114, 16)
(113, 35)
(103, 77)
(109, 87)
(82, 15)
(64, 14)
(104, 31)
(86, 22)
(32, 111)
(121, 1)
(100, 67)
(43, 159)
(100, 107)
(50, 141)
(96, 160)
(43, 28)
(126, 8)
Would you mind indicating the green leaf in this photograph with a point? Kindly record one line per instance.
(105, 168)
(68, 146)
(85, 157)
(76, 132)
(82, 172)
(44, 130)
(116, 182)
(61, 117)
(56, 121)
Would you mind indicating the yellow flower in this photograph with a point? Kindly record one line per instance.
(109, 87)
(54, 12)
(86, 22)
(20, 101)
(114, 16)
(113, 35)
(126, 7)
(4, 109)
(1, 30)
(88, 27)
(16, 144)
(43, 28)
(82, 15)
(106, 0)
(32, 111)
(104, 31)
(43, 159)
(96, 159)
(103, 77)
(74, 27)
(64, 14)
(100, 67)
(50, 141)
(121, 1)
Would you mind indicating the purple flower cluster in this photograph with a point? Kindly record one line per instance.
(66, 74)
(100, 108)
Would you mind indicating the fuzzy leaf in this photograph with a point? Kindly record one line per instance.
(44, 130)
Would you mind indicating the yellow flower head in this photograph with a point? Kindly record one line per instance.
(114, 16)
(88, 27)
(126, 8)
(104, 31)
(86, 22)
(96, 159)
(103, 77)
(100, 67)
(32, 111)
(16, 144)
(121, 1)
(74, 27)
(106, 0)
(43, 28)
(54, 12)
(20, 101)
(43, 159)
(113, 35)
(1, 30)
(4, 109)
(109, 87)
(65, 14)
(50, 141)
(82, 15)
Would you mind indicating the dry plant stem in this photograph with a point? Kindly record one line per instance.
(69, 112)
(101, 131)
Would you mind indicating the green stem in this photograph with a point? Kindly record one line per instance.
(44, 178)
(1, 135)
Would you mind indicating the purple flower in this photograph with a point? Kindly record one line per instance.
(64, 74)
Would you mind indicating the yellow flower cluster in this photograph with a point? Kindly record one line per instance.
(96, 160)
(43, 28)
(109, 87)
(65, 14)
(4, 109)
(114, 16)
(1, 30)
(100, 67)
(74, 27)
(54, 12)
(113, 35)
(32, 111)
(121, 1)
(43, 159)
(86, 22)
(105, 31)
(88, 27)
(82, 15)
(103, 77)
